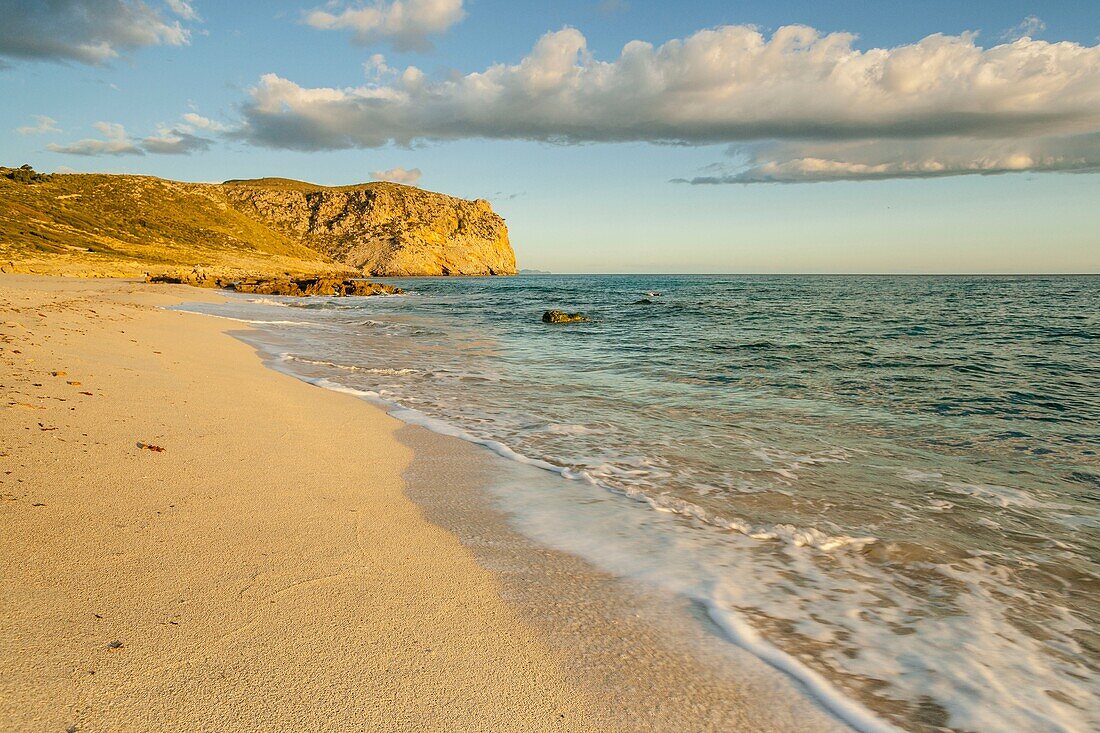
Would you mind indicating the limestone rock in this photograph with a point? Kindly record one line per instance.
(383, 229)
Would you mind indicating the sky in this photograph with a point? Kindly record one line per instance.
(614, 135)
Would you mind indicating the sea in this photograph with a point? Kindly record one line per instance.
(886, 487)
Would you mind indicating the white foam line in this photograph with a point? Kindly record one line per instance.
(255, 321)
(737, 630)
(832, 699)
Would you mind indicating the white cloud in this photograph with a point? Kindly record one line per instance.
(175, 141)
(42, 125)
(724, 85)
(183, 9)
(87, 31)
(116, 142)
(925, 158)
(376, 69)
(169, 140)
(195, 120)
(405, 23)
(720, 85)
(1029, 27)
(398, 175)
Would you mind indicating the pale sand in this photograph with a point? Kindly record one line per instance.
(267, 572)
(263, 572)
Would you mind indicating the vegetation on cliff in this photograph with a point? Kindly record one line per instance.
(125, 226)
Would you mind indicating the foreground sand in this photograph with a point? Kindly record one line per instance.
(263, 572)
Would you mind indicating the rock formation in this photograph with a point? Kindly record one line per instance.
(383, 229)
(312, 286)
(297, 286)
(556, 316)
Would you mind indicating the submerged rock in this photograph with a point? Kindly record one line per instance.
(643, 301)
(556, 316)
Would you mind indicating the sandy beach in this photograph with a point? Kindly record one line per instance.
(194, 541)
(263, 571)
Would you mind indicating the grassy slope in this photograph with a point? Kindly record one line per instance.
(110, 225)
(289, 184)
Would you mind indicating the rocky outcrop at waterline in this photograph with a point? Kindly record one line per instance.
(293, 286)
(313, 286)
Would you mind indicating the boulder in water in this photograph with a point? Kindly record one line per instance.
(556, 316)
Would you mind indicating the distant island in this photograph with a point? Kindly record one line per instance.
(526, 271)
(126, 226)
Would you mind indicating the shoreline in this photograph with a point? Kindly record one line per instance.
(518, 636)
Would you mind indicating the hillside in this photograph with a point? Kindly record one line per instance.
(125, 226)
(382, 228)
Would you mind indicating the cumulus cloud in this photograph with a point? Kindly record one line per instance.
(405, 23)
(42, 125)
(87, 31)
(398, 175)
(717, 86)
(723, 85)
(169, 140)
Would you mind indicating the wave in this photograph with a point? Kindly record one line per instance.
(269, 301)
(383, 371)
(739, 631)
(256, 321)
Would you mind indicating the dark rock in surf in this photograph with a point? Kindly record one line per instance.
(562, 317)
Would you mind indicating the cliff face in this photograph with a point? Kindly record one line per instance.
(383, 229)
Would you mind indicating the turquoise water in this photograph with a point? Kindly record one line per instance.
(889, 484)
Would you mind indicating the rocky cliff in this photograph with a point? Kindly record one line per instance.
(382, 228)
(117, 225)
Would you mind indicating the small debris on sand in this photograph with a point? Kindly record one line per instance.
(150, 446)
(58, 374)
(116, 644)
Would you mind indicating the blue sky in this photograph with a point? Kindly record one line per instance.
(591, 152)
